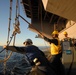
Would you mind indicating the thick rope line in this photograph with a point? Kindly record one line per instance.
(31, 25)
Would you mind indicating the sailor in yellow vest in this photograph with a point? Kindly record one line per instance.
(56, 53)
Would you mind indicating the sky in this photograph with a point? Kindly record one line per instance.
(25, 32)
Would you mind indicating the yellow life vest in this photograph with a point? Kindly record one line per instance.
(55, 49)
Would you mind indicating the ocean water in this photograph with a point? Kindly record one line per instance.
(16, 59)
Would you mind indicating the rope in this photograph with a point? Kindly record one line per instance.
(31, 25)
(2, 50)
(15, 23)
(8, 35)
(16, 30)
(16, 26)
(9, 20)
(7, 44)
(6, 58)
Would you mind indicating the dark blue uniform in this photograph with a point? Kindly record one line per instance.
(33, 52)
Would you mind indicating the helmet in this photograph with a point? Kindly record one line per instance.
(28, 41)
(55, 32)
(65, 33)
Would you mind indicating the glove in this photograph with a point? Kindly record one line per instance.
(5, 47)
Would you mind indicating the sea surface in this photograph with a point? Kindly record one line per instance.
(15, 60)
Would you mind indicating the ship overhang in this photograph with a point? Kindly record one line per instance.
(42, 20)
(63, 8)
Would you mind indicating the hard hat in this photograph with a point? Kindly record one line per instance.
(65, 33)
(29, 41)
(55, 32)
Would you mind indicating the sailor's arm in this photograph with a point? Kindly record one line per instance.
(55, 41)
(15, 49)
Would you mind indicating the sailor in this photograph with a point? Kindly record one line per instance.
(37, 59)
(56, 53)
(67, 43)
